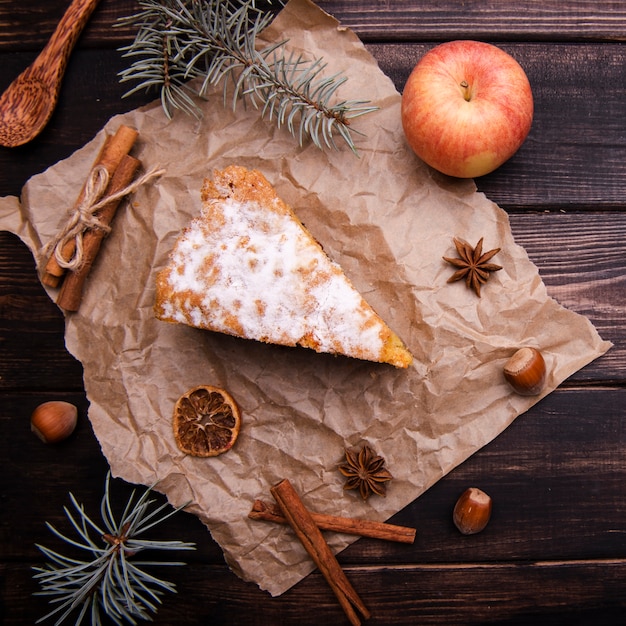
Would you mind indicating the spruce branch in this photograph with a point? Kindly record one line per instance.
(108, 580)
(214, 41)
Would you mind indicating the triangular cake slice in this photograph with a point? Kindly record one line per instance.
(248, 267)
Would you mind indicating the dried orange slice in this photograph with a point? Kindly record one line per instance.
(206, 421)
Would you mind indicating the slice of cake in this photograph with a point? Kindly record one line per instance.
(248, 267)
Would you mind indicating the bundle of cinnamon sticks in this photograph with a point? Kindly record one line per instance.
(307, 527)
(120, 168)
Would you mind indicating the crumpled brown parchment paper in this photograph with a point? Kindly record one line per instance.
(387, 219)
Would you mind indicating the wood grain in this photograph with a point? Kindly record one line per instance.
(529, 20)
(571, 160)
(387, 20)
(555, 549)
(534, 537)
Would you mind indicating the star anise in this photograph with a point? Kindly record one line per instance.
(365, 471)
(473, 264)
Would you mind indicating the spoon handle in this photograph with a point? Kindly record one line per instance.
(60, 45)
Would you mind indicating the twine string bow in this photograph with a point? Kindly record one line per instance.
(85, 216)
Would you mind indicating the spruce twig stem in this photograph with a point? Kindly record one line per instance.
(214, 41)
(107, 581)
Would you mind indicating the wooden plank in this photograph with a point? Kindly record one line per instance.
(557, 477)
(572, 85)
(28, 25)
(32, 497)
(574, 140)
(551, 20)
(400, 20)
(554, 550)
(579, 258)
(548, 498)
(90, 96)
(543, 593)
(31, 327)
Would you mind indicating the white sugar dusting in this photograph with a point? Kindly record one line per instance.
(266, 273)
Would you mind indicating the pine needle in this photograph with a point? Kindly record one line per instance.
(215, 41)
(107, 580)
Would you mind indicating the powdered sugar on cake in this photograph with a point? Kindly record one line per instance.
(259, 275)
(248, 267)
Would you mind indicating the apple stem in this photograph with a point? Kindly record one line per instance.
(467, 94)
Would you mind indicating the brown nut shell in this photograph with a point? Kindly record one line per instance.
(54, 421)
(472, 511)
(525, 371)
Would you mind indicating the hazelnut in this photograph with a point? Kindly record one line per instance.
(472, 511)
(525, 371)
(54, 421)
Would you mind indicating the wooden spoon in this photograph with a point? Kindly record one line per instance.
(28, 103)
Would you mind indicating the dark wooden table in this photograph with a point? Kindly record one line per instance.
(555, 550)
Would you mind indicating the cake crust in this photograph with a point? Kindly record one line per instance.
(248, 267)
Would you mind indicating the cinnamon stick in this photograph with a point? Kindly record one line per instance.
(364, 528)
(114, 149)
(71, 292)
(314, 543)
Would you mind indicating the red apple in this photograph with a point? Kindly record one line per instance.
(466, 108)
